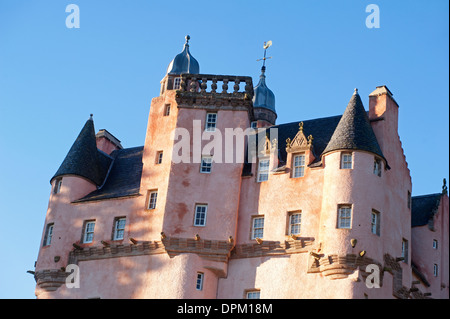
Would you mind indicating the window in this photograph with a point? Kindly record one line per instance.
(200, 215)
(206, 164)
(257, 227)
(263, 170)
(435, 244)
(345, 216)
(167, 110)
(48, 235)
(57, 187)
(375, 223)
(299, 165)
(254, 125)
(199, 282)
(435, 270)
(405, 250)
(119, 228)
(152, 197)
(176, 83)
(88, 235)
(253, 294)
(377, 167)
(346, 161)
(211, 121)
(295, 220)
(159, 157)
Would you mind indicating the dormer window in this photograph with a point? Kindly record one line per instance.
(299, 165)
(263, 170)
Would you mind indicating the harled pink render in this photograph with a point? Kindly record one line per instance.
(163, 252)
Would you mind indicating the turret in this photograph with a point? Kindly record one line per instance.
(183, 62)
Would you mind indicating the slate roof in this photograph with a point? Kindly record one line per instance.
(423, 208)
(84, 159)
(124, 177)
(354, 131)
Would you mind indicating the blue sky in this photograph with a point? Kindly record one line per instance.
(52, 78)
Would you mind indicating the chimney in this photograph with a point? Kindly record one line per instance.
(106, 142)
(383, 116)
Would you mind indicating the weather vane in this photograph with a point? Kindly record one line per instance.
(267, 45)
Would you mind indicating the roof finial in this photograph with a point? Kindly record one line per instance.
(356, 91)
(444, 187)
(187, 37)
(266, 45)
(91, 117)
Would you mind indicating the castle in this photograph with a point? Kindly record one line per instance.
(318, 208)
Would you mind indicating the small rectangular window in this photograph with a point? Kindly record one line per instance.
(435, 244)
(159, 157)
(57, 187)
(199, 281)
(253, 294)
(344, 216)
(377, 167)
(152, 198)
(254, 125)
(295, 220)
(119, 228)
(375, 223)
(435, 270)
(263, 170)
(200, 215)
(299, 165)
(211, 121)
(48, 235)
(88, 234)
(257, 227)
(206, 164)
(176, 83)
(166, 109)
(346, 161)
(405, 250)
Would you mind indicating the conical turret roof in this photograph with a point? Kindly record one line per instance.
(354, 131)
(84, 159)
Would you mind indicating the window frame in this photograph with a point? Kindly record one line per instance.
(166, 109)
(301, 165)
(405, 250)
(435, 270)
(199, 220)
(204, 168)
(435, 244)
(159, 157)
(252, 292)
(152, 200)
(48, 234)
(297, 224)
(264, 172)
(375, 227)
(210, 126)
(199, 281)
(340, 218)
(116, 229)
(176, 83)
(377, 167)
(344, 162)
(86, 232)
(253, 234)
(57, 186)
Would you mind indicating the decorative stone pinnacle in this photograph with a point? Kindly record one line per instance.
(300, 127)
